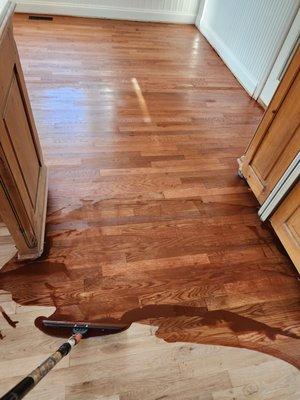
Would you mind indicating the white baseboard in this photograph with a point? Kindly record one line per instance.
(98, 11)
(236, 67)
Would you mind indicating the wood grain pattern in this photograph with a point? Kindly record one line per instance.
(136, 365)
(147, 219)
(277, 139)
(286, 223)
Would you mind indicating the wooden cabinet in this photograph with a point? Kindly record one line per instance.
(23, 177)
(286, 223)
(272, 150)
(277, 139)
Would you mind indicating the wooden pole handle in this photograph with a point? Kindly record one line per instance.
(30, 381)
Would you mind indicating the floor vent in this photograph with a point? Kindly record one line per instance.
(41, 17)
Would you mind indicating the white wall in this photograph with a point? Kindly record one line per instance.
(2, 5)
(179, 11)
(282, 62)
(248, 35)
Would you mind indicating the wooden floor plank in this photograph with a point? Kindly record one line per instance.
(141, 125)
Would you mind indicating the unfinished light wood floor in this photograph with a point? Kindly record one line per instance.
(141, 125)
(136, 365)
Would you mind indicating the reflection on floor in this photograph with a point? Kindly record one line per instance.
(141, 125)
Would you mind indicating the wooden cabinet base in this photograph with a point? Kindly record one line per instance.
(286, 223)
(40, 218)
(277, 139)
(23, 175)
(269, 159)
(9, 215)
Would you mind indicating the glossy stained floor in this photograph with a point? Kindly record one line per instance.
(141, 125)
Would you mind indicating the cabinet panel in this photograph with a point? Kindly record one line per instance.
(293, 225)
(12, 205)
(277, 139)
(286, 223)
(269, 155)
(10, 162)
(20, 137)
(277, 147)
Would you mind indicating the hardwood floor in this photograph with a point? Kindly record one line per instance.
(141, 125)
(135, 365)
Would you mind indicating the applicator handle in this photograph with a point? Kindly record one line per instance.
(29, 382)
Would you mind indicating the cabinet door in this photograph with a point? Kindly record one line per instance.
(22, 144)
(286, 223)
(22, 172)
(281, 142)
(277, 140)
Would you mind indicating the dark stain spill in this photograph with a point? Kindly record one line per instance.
(34, 269)
(47, 248)
(52, 279)
(8, 320)
(236, 323)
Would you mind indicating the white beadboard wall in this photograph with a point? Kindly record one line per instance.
(248, 35)
(2, 5)
(179, 11)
